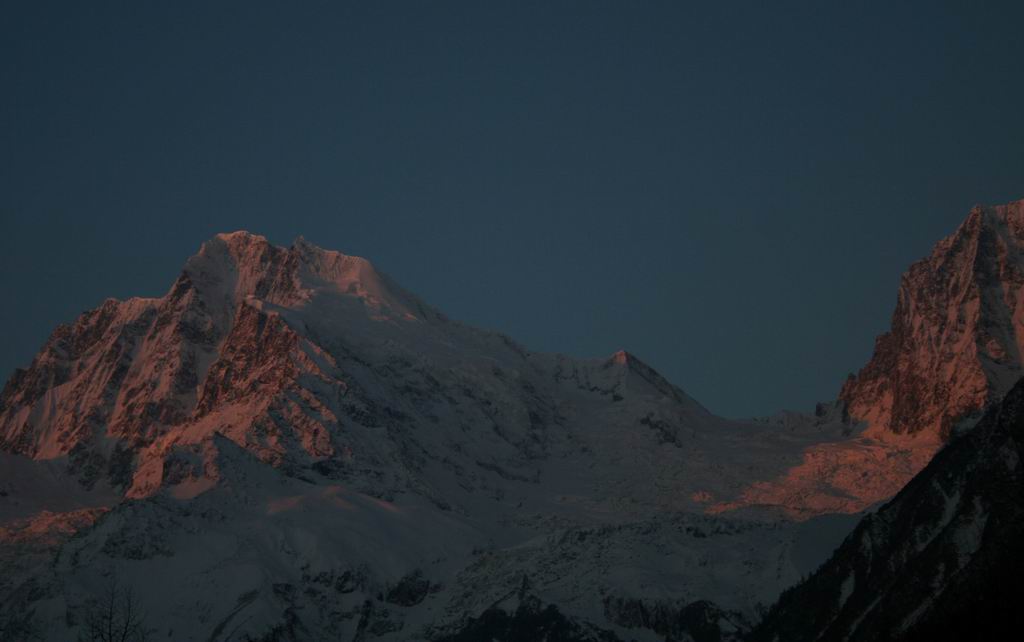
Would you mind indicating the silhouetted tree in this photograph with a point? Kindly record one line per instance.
(115, 616)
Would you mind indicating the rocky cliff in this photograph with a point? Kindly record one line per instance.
(955, 341)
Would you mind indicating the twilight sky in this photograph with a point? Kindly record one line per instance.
(730, 192)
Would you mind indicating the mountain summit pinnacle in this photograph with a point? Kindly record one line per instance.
(957, 332)
(953, 349)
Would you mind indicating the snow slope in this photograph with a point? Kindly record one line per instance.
(284, 418)
(291, 442)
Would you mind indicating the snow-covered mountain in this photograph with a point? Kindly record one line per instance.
(292, 442)
(288, 421)
(315, 363)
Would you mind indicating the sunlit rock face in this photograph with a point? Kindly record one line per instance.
(287, 438)
(953, 349)
(214, 354)
(312, 360)
(957, 332)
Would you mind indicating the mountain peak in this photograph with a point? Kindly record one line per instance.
(232, 267)
(302, 246)
(956, 338)
(1002, 219)
(237, 244)
(621, 358)
(625, 365)
(1012, 211)
(240, 235)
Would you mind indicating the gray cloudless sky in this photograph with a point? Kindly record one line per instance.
(729, 190)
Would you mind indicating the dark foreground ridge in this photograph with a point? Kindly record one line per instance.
(941, 561)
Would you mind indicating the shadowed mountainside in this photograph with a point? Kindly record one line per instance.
(941, 561)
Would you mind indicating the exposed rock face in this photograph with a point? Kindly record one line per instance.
(296, 444)
(293, 443)
(954, 348)
(214, 354)
(313, 361)
(940, 561)
(957, 332)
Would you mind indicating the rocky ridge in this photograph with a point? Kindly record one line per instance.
(955, 342)
(294, 443)
(954, 348)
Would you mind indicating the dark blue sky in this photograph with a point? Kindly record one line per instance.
(730, 192)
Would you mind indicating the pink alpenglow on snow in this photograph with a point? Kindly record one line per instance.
(288, 427)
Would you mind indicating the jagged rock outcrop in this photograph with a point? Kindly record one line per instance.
(941, 561)
(957, 332)
(954, 348)
(215, 348)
